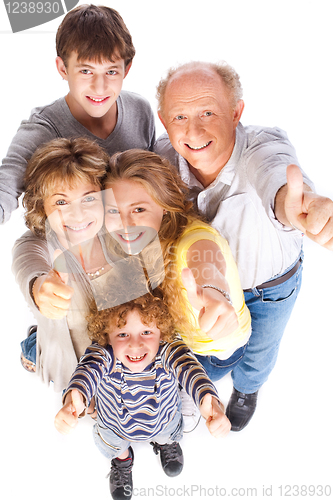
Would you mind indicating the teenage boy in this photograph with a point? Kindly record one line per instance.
(94, 55)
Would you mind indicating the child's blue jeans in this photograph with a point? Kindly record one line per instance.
(111, 445)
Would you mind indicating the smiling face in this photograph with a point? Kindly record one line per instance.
(135, 344)
(75, 215)
(93, 87)
(200, 121)
(132, 217)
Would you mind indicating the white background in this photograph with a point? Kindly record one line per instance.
(283, 53)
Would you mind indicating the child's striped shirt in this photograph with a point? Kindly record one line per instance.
(138, 406)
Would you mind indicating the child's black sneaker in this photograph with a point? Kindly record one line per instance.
(120, 477)
(171, 456)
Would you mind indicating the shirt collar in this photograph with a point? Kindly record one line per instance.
(186, 174)
(228, 171)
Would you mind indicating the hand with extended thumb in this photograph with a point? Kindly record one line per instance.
(212, 410)
(67, 418)
(50, 291)
(217, 317)
(307, 211)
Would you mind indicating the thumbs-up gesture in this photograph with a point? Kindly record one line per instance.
(217, 317)
(50, 291)
(67, 418)
(217, 422)
(308, 211)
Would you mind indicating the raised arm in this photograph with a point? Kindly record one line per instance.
(31, 134)
(67, 418)
(41, 285)
(194, 380)
(208, 290)
(298, 207)
(217, 422)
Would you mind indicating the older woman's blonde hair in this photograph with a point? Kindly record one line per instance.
(60, 161)
(162, 182)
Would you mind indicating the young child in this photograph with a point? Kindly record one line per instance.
(133, 369)
(95, 53)
(144, 190)
(64, 212)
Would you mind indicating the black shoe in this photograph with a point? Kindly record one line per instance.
(32, 329)
(120, 477)
(240, 409)
(171, 456)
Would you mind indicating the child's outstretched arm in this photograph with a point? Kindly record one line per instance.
(217, 422)
(66, 419)
(195, 382)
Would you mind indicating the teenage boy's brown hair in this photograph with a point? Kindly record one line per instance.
(95, 33)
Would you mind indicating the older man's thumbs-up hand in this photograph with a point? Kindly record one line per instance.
(298, 207)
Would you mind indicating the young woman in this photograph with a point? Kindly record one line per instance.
(145, 196)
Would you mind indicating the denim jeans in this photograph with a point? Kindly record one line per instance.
(216, 368)
(270, 310)
(28, 347)
(111, 445)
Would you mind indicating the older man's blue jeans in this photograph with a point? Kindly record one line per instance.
(270, 310)
(217, 368)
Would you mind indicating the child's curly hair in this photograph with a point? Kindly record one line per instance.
(151, 308)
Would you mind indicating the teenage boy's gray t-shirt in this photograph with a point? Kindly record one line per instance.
(135, 128)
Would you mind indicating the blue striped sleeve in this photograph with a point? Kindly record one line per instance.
(189, 372)
(90, 371)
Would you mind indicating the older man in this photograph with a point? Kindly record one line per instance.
(246, 182)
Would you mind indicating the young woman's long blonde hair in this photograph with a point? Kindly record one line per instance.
(162, 182)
